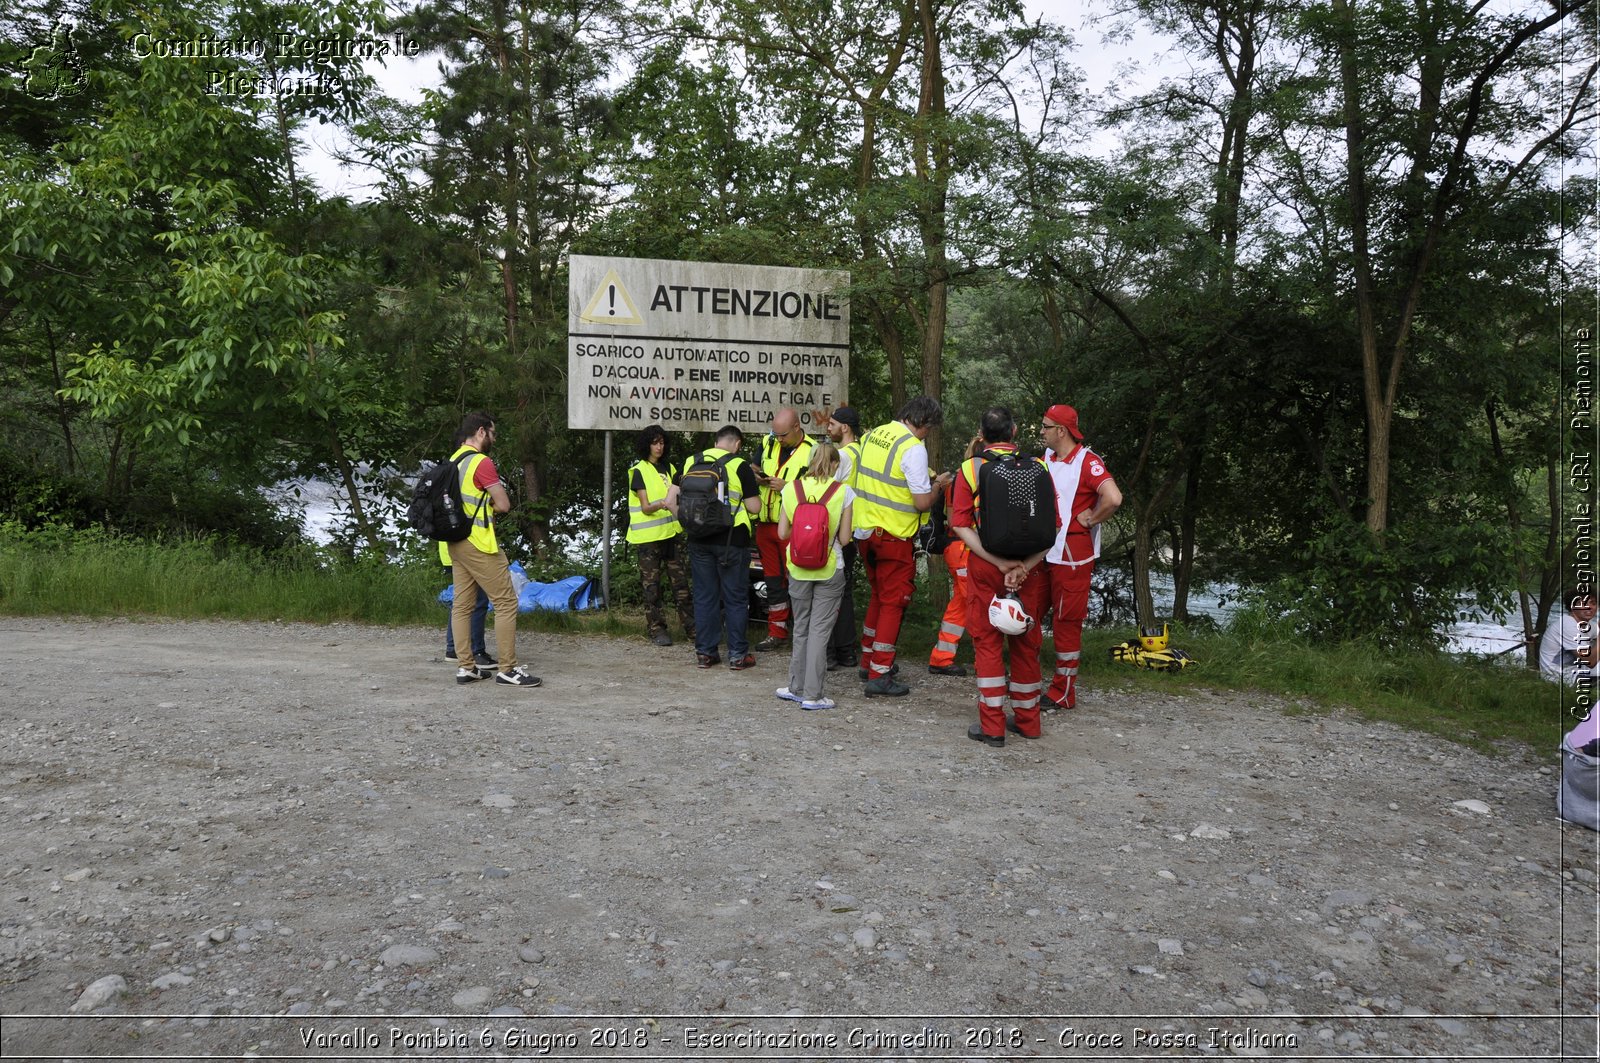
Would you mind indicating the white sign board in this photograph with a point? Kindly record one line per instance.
(693, 346)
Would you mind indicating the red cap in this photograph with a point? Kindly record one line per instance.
(1067, 418)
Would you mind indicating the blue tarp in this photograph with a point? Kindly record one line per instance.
(571, 593)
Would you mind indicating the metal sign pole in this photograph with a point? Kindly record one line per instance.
(605, 528)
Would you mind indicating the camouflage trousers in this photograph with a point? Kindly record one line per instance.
(653, 558)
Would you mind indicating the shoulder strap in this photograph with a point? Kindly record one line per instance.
(832, 487)
(800, 493)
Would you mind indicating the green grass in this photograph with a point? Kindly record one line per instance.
(1477, 703)
(58, 572)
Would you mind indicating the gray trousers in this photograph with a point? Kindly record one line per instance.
(814, 606)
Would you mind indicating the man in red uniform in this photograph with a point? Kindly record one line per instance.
(1086, 496)
(989, 575)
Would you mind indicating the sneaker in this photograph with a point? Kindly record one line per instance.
(661, 638)
(518, 677)
(788, 695)
(946, 669)
(706, 660)
(818, 703)
(771, 644)
(885, 688)
(472, 675)
(483, 660)
(866, 673)
(747, 661)
(976, 733)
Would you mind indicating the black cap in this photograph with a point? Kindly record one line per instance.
(848, 417)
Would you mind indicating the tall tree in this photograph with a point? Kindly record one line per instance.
(1433, 100)
(509, 151)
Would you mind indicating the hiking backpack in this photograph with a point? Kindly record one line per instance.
(703, 508)
(437, 511)
(809, 536)
(1017, 507)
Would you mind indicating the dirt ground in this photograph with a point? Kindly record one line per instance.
(280, 840)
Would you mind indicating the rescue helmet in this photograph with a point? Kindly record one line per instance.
(1007, 616)
(1153, 639)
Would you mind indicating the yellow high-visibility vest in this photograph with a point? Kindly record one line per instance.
(741, 516)
(657, 525)
(790, 470)
(477, 504)
(883, 498)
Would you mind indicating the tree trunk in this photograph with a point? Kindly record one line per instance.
(62, 414)
(352, 490)
(1144, 603)
(1183, 561)
(933, 174)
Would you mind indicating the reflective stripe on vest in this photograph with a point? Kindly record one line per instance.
(884, 499)
(855, 463)
(650, 527)
(790, 470)
(476, 504)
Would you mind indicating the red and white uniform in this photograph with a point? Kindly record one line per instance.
(989, 646)
(1070, 562)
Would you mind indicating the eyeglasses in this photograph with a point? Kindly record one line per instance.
(1051, 427)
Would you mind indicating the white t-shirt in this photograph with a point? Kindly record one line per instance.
(847, 465)
(1558, 650)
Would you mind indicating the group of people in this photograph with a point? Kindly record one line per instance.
(854, 496)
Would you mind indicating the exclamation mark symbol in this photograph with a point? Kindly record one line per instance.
(611, 294)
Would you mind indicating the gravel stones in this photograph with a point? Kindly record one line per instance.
(409, 956)
(473, 999)
(101, 992)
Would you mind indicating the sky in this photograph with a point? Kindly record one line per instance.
(1103, 61)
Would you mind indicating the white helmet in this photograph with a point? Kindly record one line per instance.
(1007, 616)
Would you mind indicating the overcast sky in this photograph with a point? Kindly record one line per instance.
(404, 79)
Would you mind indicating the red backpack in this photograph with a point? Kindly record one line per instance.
(809, 535)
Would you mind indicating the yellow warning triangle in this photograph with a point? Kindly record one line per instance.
(611, 305)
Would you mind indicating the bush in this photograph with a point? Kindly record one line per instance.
(1401, 592)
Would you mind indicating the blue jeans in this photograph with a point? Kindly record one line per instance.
(721, 579)
(480, 611)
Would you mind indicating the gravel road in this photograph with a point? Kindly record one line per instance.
(285, 840)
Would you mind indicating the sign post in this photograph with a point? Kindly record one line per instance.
(693, 346)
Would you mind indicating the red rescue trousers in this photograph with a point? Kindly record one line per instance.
(954, 624)
(1069, 597)
(989, 646)
(777, 577)
(891, 568)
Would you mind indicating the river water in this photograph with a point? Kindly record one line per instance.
(324, 507)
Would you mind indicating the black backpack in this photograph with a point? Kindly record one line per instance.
(436, 509)
(703, 507)
(1017, 505)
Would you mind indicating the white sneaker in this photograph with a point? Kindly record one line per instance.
(788, 695)
(472, 675)
(819, 703)
(518, 677)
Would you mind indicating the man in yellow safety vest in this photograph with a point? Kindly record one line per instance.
(893, 492)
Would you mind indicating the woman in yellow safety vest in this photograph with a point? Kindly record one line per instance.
(814, 591)
(653, 531)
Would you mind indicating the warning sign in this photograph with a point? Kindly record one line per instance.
(693, 346)
(611, 305)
